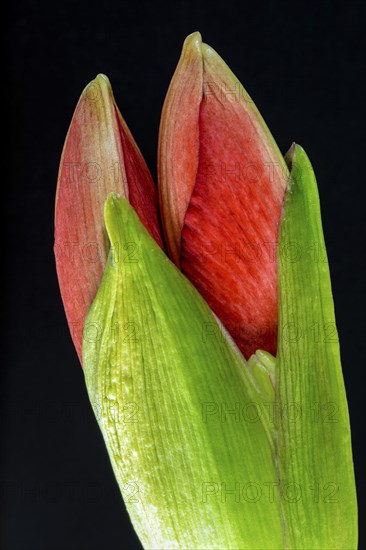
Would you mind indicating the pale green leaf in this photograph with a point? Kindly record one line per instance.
(313, 442)
(183, 420)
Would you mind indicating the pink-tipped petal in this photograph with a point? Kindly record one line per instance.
(99, 156)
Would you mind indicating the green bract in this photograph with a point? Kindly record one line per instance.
(313, 442)
(207, 454)
(169, 390)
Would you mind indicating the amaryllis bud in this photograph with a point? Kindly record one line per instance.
(99, 156)
(222, 181)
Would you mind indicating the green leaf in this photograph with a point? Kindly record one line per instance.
(313, 442)
(182, 417)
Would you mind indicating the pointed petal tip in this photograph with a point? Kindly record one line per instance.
(193, 38)
(192, 44)
(101, 77)
(101, 80)
(97, 87)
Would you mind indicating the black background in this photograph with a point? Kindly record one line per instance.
(303, 65)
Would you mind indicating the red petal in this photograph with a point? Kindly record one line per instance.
(99, 156)
(179, 142)
(229, 235)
